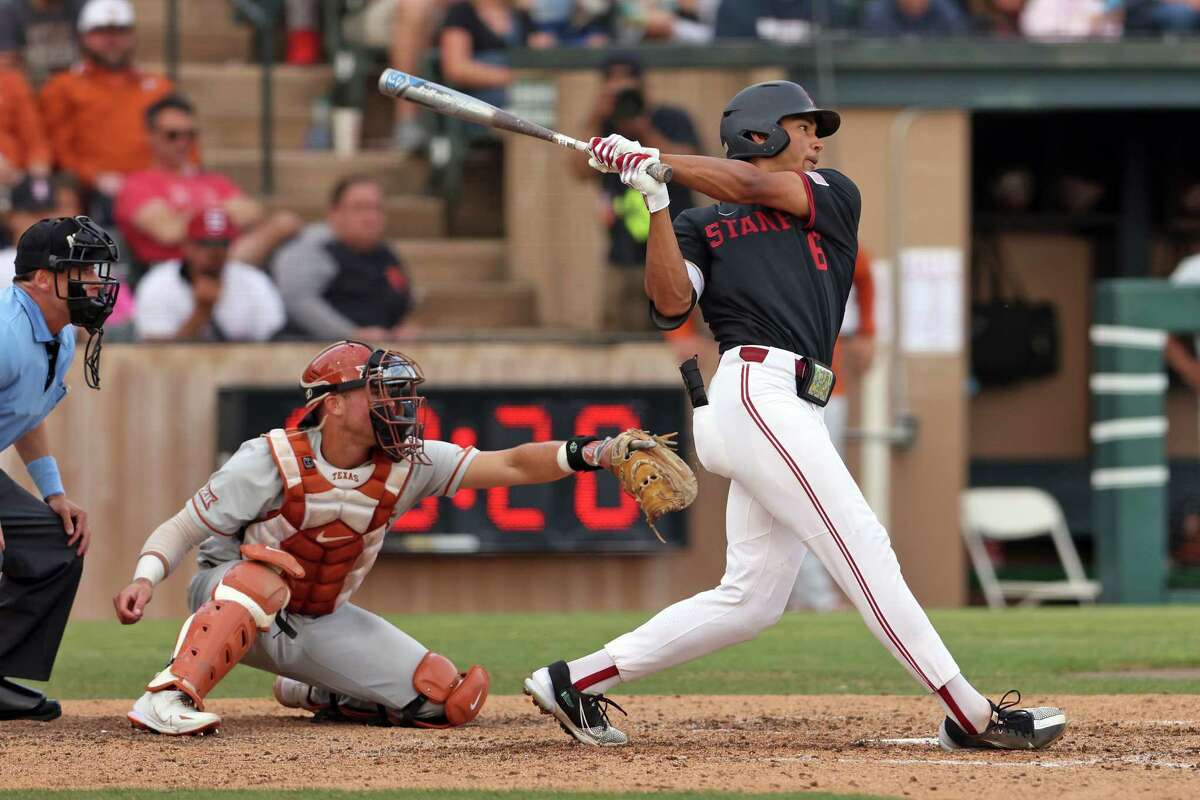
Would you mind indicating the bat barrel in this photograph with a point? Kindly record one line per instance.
(393, 82)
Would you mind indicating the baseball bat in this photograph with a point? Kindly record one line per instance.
(445, 100)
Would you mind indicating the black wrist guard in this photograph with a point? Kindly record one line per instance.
(575, 447)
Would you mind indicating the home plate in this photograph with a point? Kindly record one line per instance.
(918, 742)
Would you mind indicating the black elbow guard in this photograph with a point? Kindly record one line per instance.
(665, 323)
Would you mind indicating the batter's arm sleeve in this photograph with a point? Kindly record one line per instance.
(834, 206)
(243, 490)
(303, 270)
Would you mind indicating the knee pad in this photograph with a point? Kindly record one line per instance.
(222, 631)
(461, 694)
(257, 588)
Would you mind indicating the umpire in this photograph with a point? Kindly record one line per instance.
(61, 280)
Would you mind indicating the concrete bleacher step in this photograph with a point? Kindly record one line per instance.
(475, 306)
(453, 261)
(207, 31)
(311, 175)
(408, 216)
(227, 98)
(232, 90)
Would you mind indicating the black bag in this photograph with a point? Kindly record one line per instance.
(1012, 338)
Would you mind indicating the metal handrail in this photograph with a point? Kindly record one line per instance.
(264, 15)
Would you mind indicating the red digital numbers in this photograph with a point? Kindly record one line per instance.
(817, 252)
(535, 419)
(594, 516)
(502, 515)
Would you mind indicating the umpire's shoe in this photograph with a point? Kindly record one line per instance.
(21, 702)
(172, 713)
(584, 716)
(1010, 728)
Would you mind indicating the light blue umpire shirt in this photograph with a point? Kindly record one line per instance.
(28, 391)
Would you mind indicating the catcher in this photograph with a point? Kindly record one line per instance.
(291, 524)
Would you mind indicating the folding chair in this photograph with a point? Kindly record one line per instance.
(1016, 513)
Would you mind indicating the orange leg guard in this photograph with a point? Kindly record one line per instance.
(223, 630)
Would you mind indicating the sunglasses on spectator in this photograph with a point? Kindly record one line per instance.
(176, 134)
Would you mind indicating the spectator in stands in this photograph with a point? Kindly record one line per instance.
(29, 201)
(1071, 19)
(23, 147)
(624, 107)
(474, 44)
(94, 113)
(783, 21)
(997, 18)
(39, 35)
(919, 17)
(207, 296)
(571, 23)
(37, 198)
(340, 279)
(680, 21)
(155, 205)
(405, 28)
(1162, 16)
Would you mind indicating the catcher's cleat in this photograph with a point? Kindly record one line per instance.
(295, 694)
(1010, 728)
(583, 716)
(172, 713)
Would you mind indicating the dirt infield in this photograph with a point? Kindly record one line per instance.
(1145, 746)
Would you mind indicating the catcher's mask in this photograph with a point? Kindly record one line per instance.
(391, 380)
(76, 246)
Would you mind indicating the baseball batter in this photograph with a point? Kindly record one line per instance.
(771, 266)
(288, 528)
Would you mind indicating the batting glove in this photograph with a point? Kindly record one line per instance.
(633, 168)
(605, 151)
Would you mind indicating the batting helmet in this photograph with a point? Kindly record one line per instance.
(391, 380)
(759, 108)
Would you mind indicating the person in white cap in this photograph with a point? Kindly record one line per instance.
(93, 113)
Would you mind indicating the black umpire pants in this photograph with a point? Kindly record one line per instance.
(39, 574)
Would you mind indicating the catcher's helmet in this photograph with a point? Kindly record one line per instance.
(759, 108)
(391, 380)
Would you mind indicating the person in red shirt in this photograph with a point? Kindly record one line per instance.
(23, 147)
(93, 112)
(154, 205)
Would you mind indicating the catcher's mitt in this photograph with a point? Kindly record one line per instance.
(651, 473)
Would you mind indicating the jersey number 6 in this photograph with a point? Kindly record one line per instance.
(818, 254)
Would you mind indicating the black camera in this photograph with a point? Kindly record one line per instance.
(629, 104)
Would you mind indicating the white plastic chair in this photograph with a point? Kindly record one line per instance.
(1013, 513)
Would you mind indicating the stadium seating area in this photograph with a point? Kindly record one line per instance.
(455, 253)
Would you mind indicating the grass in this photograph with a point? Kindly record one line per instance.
(398, 794)
(1035, 650)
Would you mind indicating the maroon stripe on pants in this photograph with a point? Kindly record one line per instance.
(948, 698)
(596, 677)
(862, 583)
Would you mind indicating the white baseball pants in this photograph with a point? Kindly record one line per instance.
(790, 495)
